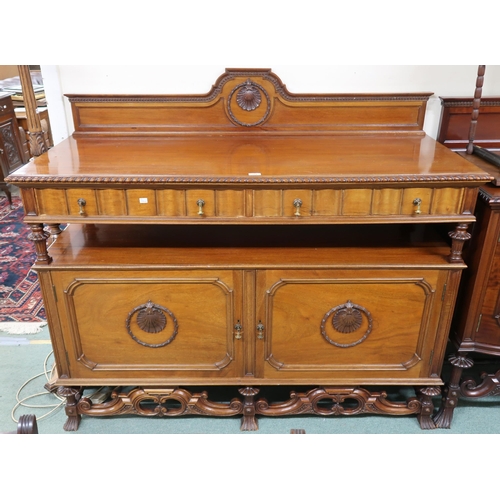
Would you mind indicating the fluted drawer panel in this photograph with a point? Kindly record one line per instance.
(327, 202)
(171, 202)
(447, 201)
(357, 202)
(230, 202)
(386, 201)
(51, 201)
(267, 203)
(112, 202)
(141, 202)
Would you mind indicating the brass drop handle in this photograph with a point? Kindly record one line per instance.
(81, 203)
(260, 330)
(417, 202)
(200, 204)
(238, 328)
(297, 203)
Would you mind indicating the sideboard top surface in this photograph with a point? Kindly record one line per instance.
(249, 160)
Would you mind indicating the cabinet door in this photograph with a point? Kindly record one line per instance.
(487, 331)
(169, 327)
(357, 326)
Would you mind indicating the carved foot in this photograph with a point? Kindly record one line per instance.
(72, 423)
(425, 396)
(444, 416)
(451, 391)
(249, 420)
(72, 395)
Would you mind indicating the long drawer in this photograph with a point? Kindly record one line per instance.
(224, 203)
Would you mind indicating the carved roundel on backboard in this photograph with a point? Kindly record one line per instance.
(249, 98)
(152, 319)
(347, 319)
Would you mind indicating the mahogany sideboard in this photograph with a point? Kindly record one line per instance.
(249, 238)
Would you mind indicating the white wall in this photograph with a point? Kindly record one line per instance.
(442, 80)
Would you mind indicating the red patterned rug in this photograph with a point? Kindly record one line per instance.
(20, 297)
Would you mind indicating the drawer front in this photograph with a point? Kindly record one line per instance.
(355, 326)
(257, 204)
(149, 325)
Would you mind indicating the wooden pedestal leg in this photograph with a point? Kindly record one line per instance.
(39, 237)
(7, 192)
(459, 236)
(451, 391)
(72, 395)
(425, 396)
(249, 420)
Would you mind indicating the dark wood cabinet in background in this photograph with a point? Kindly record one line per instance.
(13, 148)
(475, 332)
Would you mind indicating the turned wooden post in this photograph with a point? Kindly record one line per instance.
(459, 236)
(475, 108)
(35, 131)
(39, 237)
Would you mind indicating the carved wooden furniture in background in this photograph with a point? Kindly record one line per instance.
(249, 238)
(13, 148)
(36, 137)
(44, 123)
(455, 122)
(476, 326)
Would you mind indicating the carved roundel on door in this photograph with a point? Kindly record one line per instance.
(152, 319)
(249, 104)
(347, 319)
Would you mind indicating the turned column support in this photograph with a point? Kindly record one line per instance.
(458, 237)
(451, 390)
(39, 237)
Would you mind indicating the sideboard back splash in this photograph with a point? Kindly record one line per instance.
(247, 100)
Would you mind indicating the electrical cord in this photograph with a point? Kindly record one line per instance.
(21, 402)
(98, 396)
